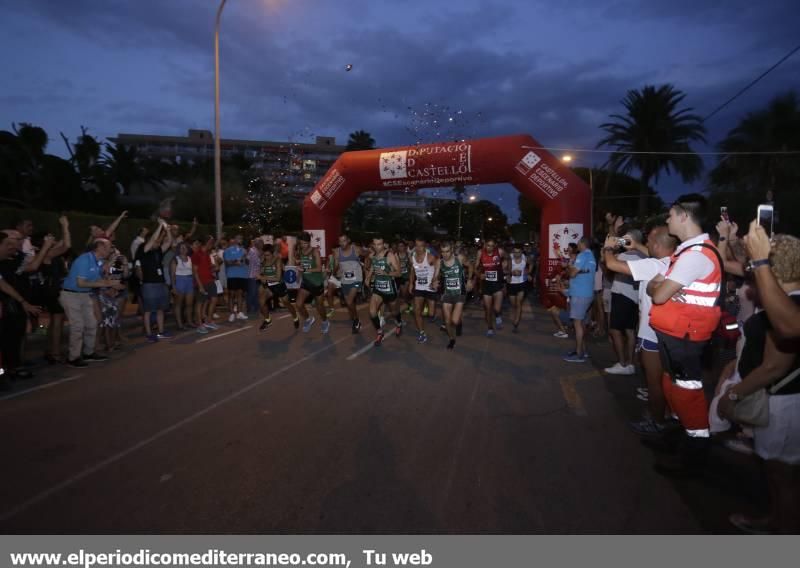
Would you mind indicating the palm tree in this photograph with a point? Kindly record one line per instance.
(750, 177)
(653, 123)
(124, 168)
(360, 140)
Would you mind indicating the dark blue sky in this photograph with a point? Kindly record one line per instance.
(555, 70)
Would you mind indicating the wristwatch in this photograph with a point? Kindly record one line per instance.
(756, 263)
(733, 396)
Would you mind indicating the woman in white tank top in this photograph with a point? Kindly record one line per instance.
(183, 285)
(518, 271)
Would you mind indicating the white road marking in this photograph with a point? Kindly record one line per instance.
(157, 436)
(224, 334)
(40, 387)
(367, 347)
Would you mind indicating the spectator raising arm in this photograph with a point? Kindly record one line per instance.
(727, 233)
(33, 265)
(783, 313)
(151, 244)
(113, 226)
(65, 243)
(610, 259)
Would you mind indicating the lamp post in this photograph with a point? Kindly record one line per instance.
(217, 157)
(567, 159)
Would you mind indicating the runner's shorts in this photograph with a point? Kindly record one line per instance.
(491, 288)
(427, 294)
(314, 289)
(278, 289)
(237, 284)
(454, 298)
(514, 289)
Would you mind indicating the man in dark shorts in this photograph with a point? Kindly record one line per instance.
(424, 282)
(384, 267)
(313, 285)
(237, 272)
(490, 270)
(457, 280)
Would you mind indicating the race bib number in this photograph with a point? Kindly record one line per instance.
(453, 284)
(422, 281)
(383, 286)
(349, 275)
(491, 275)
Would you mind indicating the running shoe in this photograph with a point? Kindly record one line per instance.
(561, 334)
(242, 316)
(308, 323)
(164, 335)
(443, 328)
(202, 329)
(383, 321)
(152, 339)
(329, 313)
(451, 344)
(215, 316)
(326, 326)
(498, 322)
(644, 397)
(94, 358)
(489, 333)
(212, 326)
(356, 326)
(398, 331)
(379, 339)
(296, 323)
(421, 337)
(616, 369)
(647, 427)
(575, 358)
(642, 390)
(232, 318)
(265, 325)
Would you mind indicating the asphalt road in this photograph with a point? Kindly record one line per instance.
(247, 432)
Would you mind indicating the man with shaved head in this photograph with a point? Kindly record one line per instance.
(660, 246)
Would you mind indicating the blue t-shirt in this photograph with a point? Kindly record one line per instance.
(582, 286)
(232, 253)
(85, 266)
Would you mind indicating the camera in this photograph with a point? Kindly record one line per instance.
(624, 242)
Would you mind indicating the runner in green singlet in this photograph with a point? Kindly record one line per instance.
(313, 284)
(456, 276)
(271, 279)
(403, 290)
(384, 268)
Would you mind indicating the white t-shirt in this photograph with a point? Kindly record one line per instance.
(643, 271)
(135, 244)
(693, 264)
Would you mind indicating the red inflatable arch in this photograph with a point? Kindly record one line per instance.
(563, 197)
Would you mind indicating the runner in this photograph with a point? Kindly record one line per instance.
(384, 268)
(312, 285)
(519, 270)
(403, 291)
(333, 285)
(490, 269)
(347, 266)
(424, 281)
(272, 286)
(457, 279)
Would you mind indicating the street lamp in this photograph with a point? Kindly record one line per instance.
(217, 158)
(567, 158)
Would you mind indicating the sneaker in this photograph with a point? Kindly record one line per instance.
(738, 445)
(152, 339)
(308, 323)
(356, 326)
(212, 326)
(329, 313)
(561, 334)
(164, 335)
(451, 344)
(489, 333)
(242, 316)
(570, 353)
(94, 358)
(296, 323)
(421, 337)
(498, 322)
(383, 321)
(265, 325)
(749, 525)
(616, 369)
(647, 427)
(575, 358)
(326, 326)
(443, 328)
(215, 316)
(202, 330)
(379, 339)
(231, 318)
(642, 390)
(78, 363)
(628, 370)
(644, 397)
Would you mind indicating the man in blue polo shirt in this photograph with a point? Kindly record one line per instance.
(581, 294)
(237, 271)
(85, 274)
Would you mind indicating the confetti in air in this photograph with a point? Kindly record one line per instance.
(348, 67)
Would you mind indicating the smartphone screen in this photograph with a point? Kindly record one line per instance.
(765, 218)
(723, 212)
